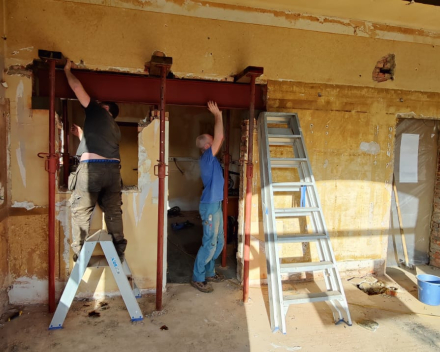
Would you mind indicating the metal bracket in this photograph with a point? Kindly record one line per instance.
(52, 163)
(157, 170)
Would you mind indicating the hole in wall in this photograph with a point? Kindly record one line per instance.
(385, 69)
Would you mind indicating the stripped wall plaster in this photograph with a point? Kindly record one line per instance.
(31, 290)
(25, 205)
(271, 15)
(63, 216)
(370, 148)
(20, 154)
(145, 184)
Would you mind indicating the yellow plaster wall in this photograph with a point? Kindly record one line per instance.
(186, 123)
(27, 230)
(108, 37)
(389, 19)
(28, 137)
(354, 182)
(112, 37)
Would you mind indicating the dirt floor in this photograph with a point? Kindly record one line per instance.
(193, 321)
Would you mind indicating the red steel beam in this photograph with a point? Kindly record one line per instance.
(226, 188)
(51, 167)
(162, 175)
(130, 88)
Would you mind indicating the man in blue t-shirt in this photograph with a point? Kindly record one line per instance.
(210, 206)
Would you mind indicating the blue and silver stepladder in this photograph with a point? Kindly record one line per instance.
(121, 272)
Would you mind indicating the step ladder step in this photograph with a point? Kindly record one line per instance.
(280, 141)
(289, 186)
(286, 162)
(312, 297)
(280, 131)
(294, 212)
(97, 261)
(288, 137)
(280, 119)
(301, 267)
(301, 238)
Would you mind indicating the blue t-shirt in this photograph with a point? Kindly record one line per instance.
(212, 177)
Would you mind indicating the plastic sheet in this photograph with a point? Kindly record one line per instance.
(415, 199)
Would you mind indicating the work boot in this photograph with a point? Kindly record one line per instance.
(204, 286)
(216, 278)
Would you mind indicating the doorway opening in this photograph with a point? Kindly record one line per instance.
(185, 188)
(415, 172)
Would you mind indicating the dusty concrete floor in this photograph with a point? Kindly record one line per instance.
(220, 321)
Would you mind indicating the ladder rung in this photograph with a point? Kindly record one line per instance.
(280, 131)
(312, 297)
(286, 162)
(301, 267)
(283, 136)
(281, 141)
(294, 212)
(274, 119)
(301, 238)
(289, 186)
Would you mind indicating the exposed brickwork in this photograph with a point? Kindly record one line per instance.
(384, 69)
(434, 252)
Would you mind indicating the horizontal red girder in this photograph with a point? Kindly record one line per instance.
(130, 88)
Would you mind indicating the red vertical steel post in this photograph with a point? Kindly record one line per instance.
(66, 128)
(248, 201)
(226, 188)
(52, 168)
(162, 166)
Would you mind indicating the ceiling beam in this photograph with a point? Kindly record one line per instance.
(132, 88)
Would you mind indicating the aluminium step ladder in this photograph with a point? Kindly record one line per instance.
(121, 273)
(283, 129)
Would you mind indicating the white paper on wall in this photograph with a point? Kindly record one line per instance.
(409, 156)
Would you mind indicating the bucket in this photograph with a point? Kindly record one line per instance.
(429, 289)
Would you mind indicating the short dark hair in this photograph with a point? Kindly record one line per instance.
(112, 107)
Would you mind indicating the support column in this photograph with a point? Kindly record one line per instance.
(52, 165)
(52, 169)
(226, 159)
(250, 73)
(160, 65)
(161, 210)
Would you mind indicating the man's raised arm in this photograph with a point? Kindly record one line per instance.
(218, 127)
(76, 85)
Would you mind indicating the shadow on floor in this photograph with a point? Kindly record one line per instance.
(405, 278)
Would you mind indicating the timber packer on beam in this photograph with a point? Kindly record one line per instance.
(142, 89)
